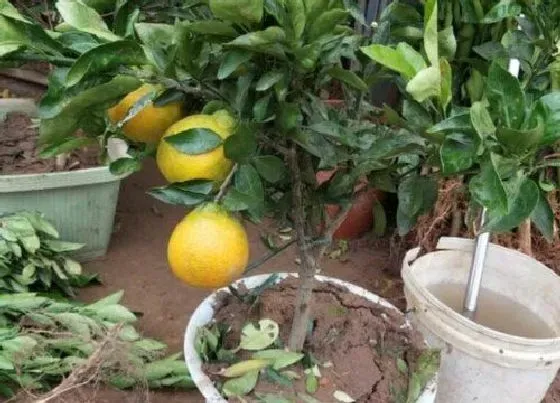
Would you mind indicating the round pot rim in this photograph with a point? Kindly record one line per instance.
(194, 363)
(27, 182)
(506, 350)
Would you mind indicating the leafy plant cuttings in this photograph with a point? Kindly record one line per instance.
(32, 258)
(44, 341)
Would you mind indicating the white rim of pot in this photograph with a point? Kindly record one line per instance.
(501, 348)
(203, 314)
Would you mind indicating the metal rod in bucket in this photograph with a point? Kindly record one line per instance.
(481, 244)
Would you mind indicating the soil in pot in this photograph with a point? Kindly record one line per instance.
(19, 153)
(360, 348)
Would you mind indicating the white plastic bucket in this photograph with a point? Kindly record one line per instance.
(205, 312)
(480, 364)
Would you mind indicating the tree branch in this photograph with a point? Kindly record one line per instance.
(225, 184)
(302, 310)
(265, 258)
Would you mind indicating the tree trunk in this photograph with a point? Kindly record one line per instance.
(524, 234)
(302, 311)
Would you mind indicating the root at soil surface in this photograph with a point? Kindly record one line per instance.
(442, 222)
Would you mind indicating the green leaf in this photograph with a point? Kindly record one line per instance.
(391, 58)
(347, 77)
(446, 90)
(447, 44)
(311, 382)
(417, 194)
(427, 366)
(61, 246)
(72, 267)
(212, 27)
(487, 188)
(288, 116)
(270, 167)
(30, 243)
(125, 166)
(551, 106)
(402, 366)
(268, 79)
(506, 96)
(5, 363)
(517, 141)
(481, 120)
(523, 200)
(247, 181)
(411, 56)
(174, 194)
(543, 217)
(232, 60)
(115, 314)
(261, 109)
(84, 18)
(169, 96)
(242, 91)
(195, 141)
(296, 15)
(240, 386)
(73, 110)
(254, 338)
(271, 398)
(238, 11)
(457, 153)
(240, 147)
(430, 32)
(379, 219)
(104, 58)
(457, 123)
(504, 9)
(280, 358)
(261, 41)
(326, 23)
(425, 84)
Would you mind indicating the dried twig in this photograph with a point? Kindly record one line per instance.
(29, 76)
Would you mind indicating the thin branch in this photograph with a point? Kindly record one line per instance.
(225, 184)
(265, 258)
(333, 226)
(29, 76)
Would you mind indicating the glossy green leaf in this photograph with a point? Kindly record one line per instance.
(247, 181)
(125, 166)
(348, 77)
(390, 58)
(456, 123)
(174, 194)
(379, 219)
(212, 27)
(261, 109)
(543, 217)
(523, 197)
(253, 40)
(481, 120)
(417, 194)
(231, 62)
(517, 141)
(268, 80)
(238, 11)
(426, 368)
(457, 153)
(84, 18)
(430, 32)
(296, 14)
(504, 9)
(447, 44)
(62, 246)
(505, 96)
(270, 167)
(66, 146)
(413, 57)
(326, 22)
(551, 105)
(105, 57)
(280, 358)
(487, 189)
(240, 147)
(288, 116)
(311, 383)
(425, 84)
(195, 141)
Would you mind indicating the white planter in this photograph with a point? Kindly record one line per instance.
(205, 312)
(478, 363)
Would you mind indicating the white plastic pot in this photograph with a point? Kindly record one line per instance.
(480, 364)
(205, 312)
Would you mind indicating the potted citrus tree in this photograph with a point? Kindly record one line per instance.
(494, 132)
(59, 167)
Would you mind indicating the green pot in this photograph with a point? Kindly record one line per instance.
(81, 204)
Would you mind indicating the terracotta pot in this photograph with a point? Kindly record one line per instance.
(360, 217)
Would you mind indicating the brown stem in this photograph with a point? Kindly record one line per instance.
(456, 222)
(332, 227)
(302, 311)
(225, 184)
(26, 75)
(524, 234)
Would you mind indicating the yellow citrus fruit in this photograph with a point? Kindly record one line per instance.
(151, 122)
(213, 165)
(208, 248)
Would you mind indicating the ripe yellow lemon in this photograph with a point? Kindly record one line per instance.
(151, 122)
(208, 248)
(213, 165)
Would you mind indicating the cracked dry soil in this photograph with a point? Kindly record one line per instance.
(361, 339)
